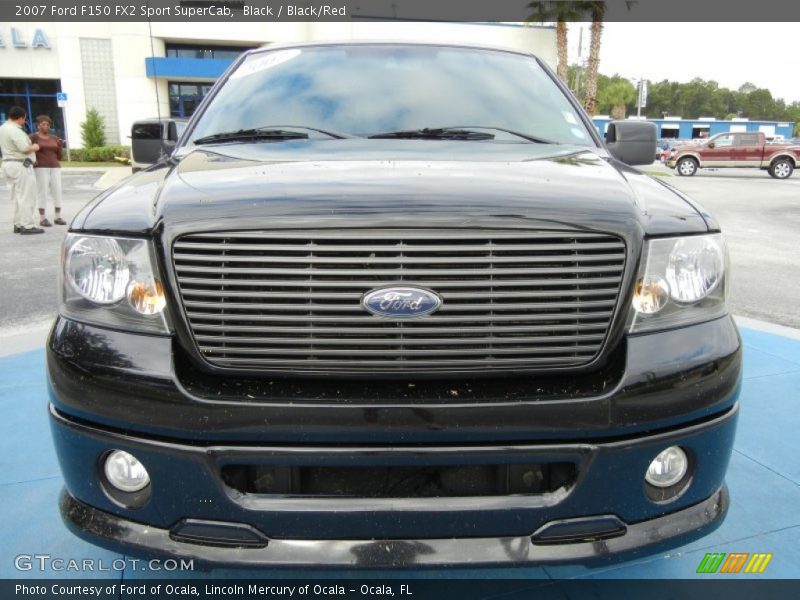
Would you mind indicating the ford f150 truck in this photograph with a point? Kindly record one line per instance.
(738, 149)
(394, 305)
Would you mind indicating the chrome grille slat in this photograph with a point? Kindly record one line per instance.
(289, 300)
(227, 270)
(190, 283)
(318, 341)
(521, 306)
(369, 320)
(406, 260)
(410, 352)
(447, 364)
(408, 332)
(391, 247)
(391, 234)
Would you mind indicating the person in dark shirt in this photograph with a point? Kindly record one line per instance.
(48, 169)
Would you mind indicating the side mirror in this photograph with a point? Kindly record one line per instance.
(710, 144)
(632, 142)
(172, 132)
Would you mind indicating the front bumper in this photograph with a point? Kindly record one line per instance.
(115, 390)
(656, 534)
(192, 513)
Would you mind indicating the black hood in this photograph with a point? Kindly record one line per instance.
(400, 183)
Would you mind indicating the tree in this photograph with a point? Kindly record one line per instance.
(759, 104)
(597, 11)
(561, 12)
(747, 87)
(93, 132)
(616, 92)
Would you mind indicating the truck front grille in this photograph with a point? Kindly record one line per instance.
(290, 301)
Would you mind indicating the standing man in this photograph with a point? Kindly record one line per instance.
(19, 155)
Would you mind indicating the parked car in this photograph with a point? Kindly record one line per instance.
(411, 312)
(736, 149)
(663, 149)
(154, 139)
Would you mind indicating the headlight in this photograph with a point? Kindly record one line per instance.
(695, 267)
(112, 282)
(97, 269)
(681, 281)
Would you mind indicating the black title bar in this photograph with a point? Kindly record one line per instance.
(395, 10)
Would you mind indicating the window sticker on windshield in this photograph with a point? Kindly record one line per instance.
(569, 118)
(578, 133)
(262, 63)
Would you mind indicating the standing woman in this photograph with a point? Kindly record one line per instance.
(48, 169)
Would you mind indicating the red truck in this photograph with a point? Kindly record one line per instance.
(739, 149)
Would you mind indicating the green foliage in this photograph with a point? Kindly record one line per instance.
(615, 95)
(697, 98)
(93, 134)
(99, 154)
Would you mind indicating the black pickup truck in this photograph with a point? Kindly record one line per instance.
(394, 305)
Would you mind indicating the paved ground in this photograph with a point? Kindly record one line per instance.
(764, 480)
(29, 264)
(760, 216)
(761, 220)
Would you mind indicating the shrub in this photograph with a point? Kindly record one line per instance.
(99, 154)
(93, 132)
(106, 153)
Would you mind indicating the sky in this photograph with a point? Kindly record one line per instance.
(766, 54)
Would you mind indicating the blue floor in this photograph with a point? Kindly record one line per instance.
(764, 481)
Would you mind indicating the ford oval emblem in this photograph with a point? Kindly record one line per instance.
(401, 302)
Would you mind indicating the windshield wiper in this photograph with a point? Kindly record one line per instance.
(440, 133)
(525, 136)
(269, 132)
(252, 134)
(459, 132)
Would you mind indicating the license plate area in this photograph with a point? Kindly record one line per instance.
(401, 480)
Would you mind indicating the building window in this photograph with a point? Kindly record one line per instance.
(204, 52)
(184, 97)
(36, 96)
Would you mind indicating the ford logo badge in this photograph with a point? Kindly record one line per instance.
(401, 302)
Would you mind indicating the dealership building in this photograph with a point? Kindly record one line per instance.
(131, 71)
(689, 129)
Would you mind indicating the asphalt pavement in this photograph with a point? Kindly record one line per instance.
(760, 217)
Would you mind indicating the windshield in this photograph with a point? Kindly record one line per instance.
(371, 89)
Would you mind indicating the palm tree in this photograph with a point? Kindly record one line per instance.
(561, 12)
(597, 11)
(617, 93)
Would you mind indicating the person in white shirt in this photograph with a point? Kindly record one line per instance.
(19, 156)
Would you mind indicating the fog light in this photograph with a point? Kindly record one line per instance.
(668, 468)
(125, 472)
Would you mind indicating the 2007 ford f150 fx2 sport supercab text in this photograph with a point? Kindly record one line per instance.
(394, 304)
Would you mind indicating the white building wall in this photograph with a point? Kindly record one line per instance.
(131, 44)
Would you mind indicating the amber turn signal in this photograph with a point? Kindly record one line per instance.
(650, 295)
(147, 297)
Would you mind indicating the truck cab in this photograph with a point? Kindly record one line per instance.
(736, 149)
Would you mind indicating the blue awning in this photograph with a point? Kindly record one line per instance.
(185, 68)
